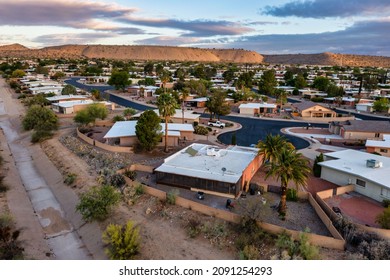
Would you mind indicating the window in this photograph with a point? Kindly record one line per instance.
(383, 150)
(361, 183)
(377, 135)
(385, 192)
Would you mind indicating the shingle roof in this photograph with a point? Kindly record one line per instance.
(367, 126)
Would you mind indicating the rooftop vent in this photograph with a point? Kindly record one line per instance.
(372, 163)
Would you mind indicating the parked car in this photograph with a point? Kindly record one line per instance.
(217, 124)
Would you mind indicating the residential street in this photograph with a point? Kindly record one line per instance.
(38, 200)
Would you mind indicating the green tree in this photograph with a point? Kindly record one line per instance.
(383, 219)
(381, 105)
(197, 87)
(167, 107)
(288, 166)
(270, 147)
(148, 68)
(91, 113)
(58, 75)
(228, 75)
(123, 241)
(180, 73)
(165, 76)
(245, 80)
(40, 118)
(321, 83)
(300, 81)
(129, 112)
(159, 69)
(18, 73)
(97, 203)
(316, 166)
(41, 70)
(69, 90)
(96, 94)
(268, 83)
(119, 79)
(148, 130)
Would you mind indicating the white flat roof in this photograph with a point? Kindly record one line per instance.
(378, 143)
(257, 105)
(68, 104)
(209, 162)
(46, 88)
(354, 162)
(127, 129)
(64, 97)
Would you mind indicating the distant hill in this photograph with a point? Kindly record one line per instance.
(156, 53)
(329, 59)
(166, 53)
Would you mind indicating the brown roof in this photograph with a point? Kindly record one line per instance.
(367, 126)
(305, 105)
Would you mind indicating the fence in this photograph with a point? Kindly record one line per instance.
(115, 149)
(321, 196)
(319, 240)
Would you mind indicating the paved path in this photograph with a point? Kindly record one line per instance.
(59, 233)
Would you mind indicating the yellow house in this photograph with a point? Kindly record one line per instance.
(308, 109)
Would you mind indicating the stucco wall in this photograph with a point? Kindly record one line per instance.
(356, 135)
(371, 189)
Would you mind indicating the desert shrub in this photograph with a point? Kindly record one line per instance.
(171, 196)
(131, 174)
(117, 180)
(123, 241)
(300, 249)
(250, 252)
(41, 135)
(316, 166)
(118, 118)
(292, 195)
(383, 219)
(201, 130)
(194, 227)
(228, 124)
(70, 179)
(139, 189)
(386, 203)
(10, 246)
(97, 203)
(196, 124)
(215, 232)
(375, 250)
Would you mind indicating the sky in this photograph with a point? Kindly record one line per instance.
(265, 26)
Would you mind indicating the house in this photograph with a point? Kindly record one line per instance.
(70, 107)
(253, 109)
(189, 117)
(46, 89)
(63, 98)
(211, 169)
(369, 173)
(123, 133)
(381, 147)
(360, 129)
(308, 109)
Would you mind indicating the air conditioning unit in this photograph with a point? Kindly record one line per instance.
(372, 163)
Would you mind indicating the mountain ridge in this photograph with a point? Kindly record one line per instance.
(171, 53)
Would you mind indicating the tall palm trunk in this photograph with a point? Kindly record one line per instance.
(282, 209)
(166, 135)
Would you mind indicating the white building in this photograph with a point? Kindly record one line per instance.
(252, 109)
(368, 172)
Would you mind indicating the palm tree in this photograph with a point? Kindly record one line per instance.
(184, 94)
(271, 146)
(287, 166)
(166, 104)
(165, 77)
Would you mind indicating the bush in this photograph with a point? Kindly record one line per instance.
(383, 219)
(117, 180)
(171, 196)
(131, 174)
(194, 227)
(10, 248)
(316, 166)
(228, 124)
(40, 136)
(196, 124)
(386, 203)
(123, 241)
(375, 250)
(97, 203)
(70, 179)
(118, 118)
(201, 130)
(250, 252)
(292, 195)
(139, 189)
(301, 249)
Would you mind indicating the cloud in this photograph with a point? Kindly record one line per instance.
(58, 13)
(328, 8)
(194, 28)
(100, 16)
(364, 37)
(168, 41)
(72, 38)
